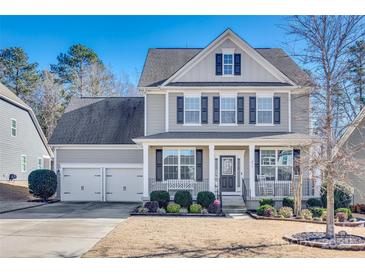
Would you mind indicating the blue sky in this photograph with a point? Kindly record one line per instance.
(122, 41)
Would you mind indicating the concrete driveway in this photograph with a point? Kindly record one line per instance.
(58, 230)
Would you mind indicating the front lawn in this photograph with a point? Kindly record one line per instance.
(215, 237)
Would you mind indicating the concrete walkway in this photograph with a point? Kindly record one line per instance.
(58, 230)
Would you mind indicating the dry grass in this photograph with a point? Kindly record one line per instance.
(9, 192)
(211, 237)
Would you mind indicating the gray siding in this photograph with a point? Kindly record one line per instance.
(27, 142)
(300, 113)
(99, 156)
(251, 71)
(282, 127)
(155, 110)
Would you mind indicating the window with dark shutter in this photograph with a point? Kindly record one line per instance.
(158, 165)
(180, 109)
(296, 164)
(218, 64)
(257, 163)
(252, 108)
(199, 165)
(237, 64)
(276, 110)
(204, 109)
(240, 111)
(216, 109)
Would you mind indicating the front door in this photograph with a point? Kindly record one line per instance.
(228, 173)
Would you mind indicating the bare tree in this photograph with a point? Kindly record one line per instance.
(126, 87)
(327, 39)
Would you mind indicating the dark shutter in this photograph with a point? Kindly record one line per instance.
(204, 109)
(199, 165)
(257, 163)
(216, 109)
(296, 157)
(158, 165)
(240, 113)
(180, 109)
(276, 110)
(237, 64)
(252, 108)
(218, 64)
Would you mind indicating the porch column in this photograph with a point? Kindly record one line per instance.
(211, 169)
(145, 171)
(252, 169)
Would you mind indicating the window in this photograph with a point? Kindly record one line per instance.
(192, 110)
(39, 163)
(264, 110)
(227, 64)
(228, 110)
(276, 164)
(13, 127)
(23, 163)
(179, 164)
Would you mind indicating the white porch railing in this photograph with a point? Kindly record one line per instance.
(172, 186)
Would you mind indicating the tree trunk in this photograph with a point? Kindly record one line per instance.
(297, 196)
(330, 226)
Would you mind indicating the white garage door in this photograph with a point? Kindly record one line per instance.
(81, 184)
(124, 184)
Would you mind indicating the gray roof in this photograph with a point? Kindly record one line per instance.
(6, 92)
(226, 135)
(112, 120)
(162, 63)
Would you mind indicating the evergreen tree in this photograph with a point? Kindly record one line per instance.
(357, 71)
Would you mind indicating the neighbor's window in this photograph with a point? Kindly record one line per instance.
(227, 64)
(276, 164)
(39, 163)
(264, 110)
(228, 110)
(192, 110)
(179, 164)
(23, 163)
(13, 127)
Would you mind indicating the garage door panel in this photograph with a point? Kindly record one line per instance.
(81, 184)
(124, 184)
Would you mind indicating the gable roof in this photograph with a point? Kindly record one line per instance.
(350, 130)
(100, 120)
(163, 63)
(10, 97)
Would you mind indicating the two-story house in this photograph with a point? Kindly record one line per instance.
(227, 118)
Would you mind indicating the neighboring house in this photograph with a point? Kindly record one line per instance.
(354, 140)
(227, 118)
(23, 146)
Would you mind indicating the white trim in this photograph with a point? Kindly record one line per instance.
(55, 161)
(25, 163)
(166, 112)
(11, 127)
(145, 169)
(99, 165)
(228, 51)
(215, 89)
(145, 114)
(211, 168)
(122, 147)
(289, 112)
(196, 96)
(261, 96)
(251, 172)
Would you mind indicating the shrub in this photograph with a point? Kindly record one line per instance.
(261, 209)
(173, 208)
(195, 208)
(314, 202)
(358, 208)
(286, 212)
(152, 206)
(306, 214)
(215, 207)
(42, 183)
(270, 212)
(183, 198)
(160, 196)
(267, 201)
(347, 211)
(161, 211)
(142, 210)
(204, 211)
(205, 198)
(324, 215)
(288, 202)
(342, 196)
(341, 217)
(317, 211)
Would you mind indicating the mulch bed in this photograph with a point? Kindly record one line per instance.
(347, 224)
(342, 240)
(177, 214)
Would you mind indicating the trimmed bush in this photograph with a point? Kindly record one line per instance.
(205, 198)
(270, 212)
(285, 212)
(142, 210)
(342, 196)
(152, 206)
(42, 183)
(173, 208)
(314, 202)
(262, 209)
(341, 217)
(317, 211)
(267, 201)
(289, 202)
(195, 208)
(161, 211)
(306, 214)
(160, 196)
(347, 211)
(183, 198)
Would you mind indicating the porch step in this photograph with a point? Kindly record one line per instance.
(233, 204)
